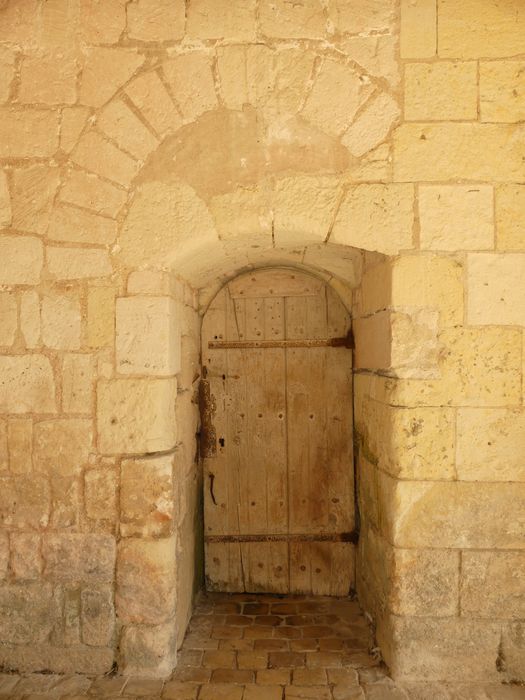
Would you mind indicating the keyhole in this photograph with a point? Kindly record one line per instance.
(221, 442)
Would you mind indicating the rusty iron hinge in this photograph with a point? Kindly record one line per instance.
(345, 342)
(352, 537)
(207, 407)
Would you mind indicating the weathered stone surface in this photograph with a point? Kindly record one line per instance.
(8, 318)
(502, 97)
(210, 20)
(78, 226)
(146, 581)
(79, 557)
(336, 95)
(510, 213)
(61, 321)
(490, 444)
(459, 151)
(28, 133)
(73, 121)
(33, 190)
(361, 17)
(136, 415)
(87, 190)
(65, 504)
(5, 201)
(75, 263)
(147, 497)
(27, 612)
(151, 282)
(100, 316)
(147, 336)
(491, 585)
(280, 19)
(119, 123)
(496, 289)
(454, 217)
(376, 54)
(372, 125)
(418, 28)
(26, 257)
(98, 615)
(4, 555)
(155, 20)
(513, 648)
(26, 384)
(100, 492)
(499, 30)
(62, 446)
(24, 502)
(190, 78)
(149, 94)
(4, 451)
(102, 22)
(26, 562)
(443, 90)
(148, 651)
(20, 440)
(376, 217)
(7, 71)
(77, 383)
(48, 78)
(105, 71)
(101, 157)
(46, 657)
(30, 319)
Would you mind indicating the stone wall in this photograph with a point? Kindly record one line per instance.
(149, 150)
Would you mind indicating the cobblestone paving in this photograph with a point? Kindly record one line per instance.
(242, 647)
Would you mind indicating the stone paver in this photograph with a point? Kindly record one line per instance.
(262, 647)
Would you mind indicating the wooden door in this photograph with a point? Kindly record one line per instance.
(276, 408)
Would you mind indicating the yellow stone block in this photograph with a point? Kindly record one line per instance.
(61, 321)
(510, 217)
(27, 384)
(102, 22)
(78, 263)
(7, 71)
(502, 91)
(481, 28)
(378, 55)
(72, 123)
(88, 191)
(49, 78)
(32, 193)
(148, 93)
(441, 91)
(453, 151)
(496, 289)
(96, 154)
(105, 71)
(190, 78)
(28, 133)
(360, 16)
(304, 20)
(372, 125)
(119, 123)
(26, 257)
(8, 318)
(418, 28)
(77, 383)
(79, 226)
(20, 440)
(156, 20)
(209, 19)
(100, 316)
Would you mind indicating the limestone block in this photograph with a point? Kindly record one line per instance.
(4, 453)
(79, 557)
(145, 581)
(442, 90)
(65, 504)
(148, 93)
(337, 93)
(502, 95)
(373, 341)
(58, 659)
(119, 123)
(498, 30)
(100, 493)
(452, 649)
(4, 555)
(429, 281)
(26, 257)
(102, 22)
(77, 263)
(376, 287)
(372, 125)
(156, 20)
(20, 440)
(62, 446)
(281, 19)
(48, 78)
(26, 562)
(456, 217)
(87, 191)
(30, 318)
(360, 16)
(510, 215)
(496, 289)
(146, 497)
(97, 615)
(425, 582)
(513, 650)
(210, 20)
(242, 213)
(28, 133)
(277, 81)
(19, 23)
(5, 201)
(100, 316)
(105, 71)
(151, 282)
(73, 121)
(190, 78)
(490, 444)
(77, 383)
(147, 336)
(26, 384)
(136, 415)
(79, 226)
(7, 71)
(375, 568)
(491, 585)
(377, 55)
(8, 318)
(295, 223)
(452, 514)
(459, 151)
(61, 321)
(33, 192)
(96, 154)
(376, 217)
(25, 502)
(28, 612)
(418, 28)
(148, 651)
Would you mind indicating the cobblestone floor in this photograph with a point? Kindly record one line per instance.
(243, 647)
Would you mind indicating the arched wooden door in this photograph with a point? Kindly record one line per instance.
(276, 408)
